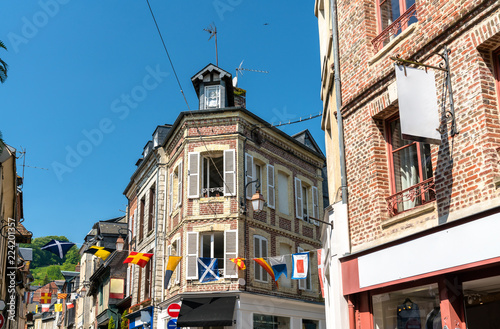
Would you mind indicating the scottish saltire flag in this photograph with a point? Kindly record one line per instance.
(208, 269)
(60, 248)
(300, 265)
(278, 264)
(173, 261)
(266, 267)
(321, 272)
(240, 262)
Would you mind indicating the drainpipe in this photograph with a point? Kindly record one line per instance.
(153, 293)
(338, 98)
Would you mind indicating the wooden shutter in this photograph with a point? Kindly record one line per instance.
(302, 282)
(171, 193)
(179, 185)
(257, 254)
(230, 251)
(229, 173)
(249, 174)
(270, 186)
(298, 198)
(193, 175)
(192, 256)
(315, 202)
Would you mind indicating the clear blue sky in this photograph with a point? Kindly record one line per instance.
(71, 62)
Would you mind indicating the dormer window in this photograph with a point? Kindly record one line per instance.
(212, 97)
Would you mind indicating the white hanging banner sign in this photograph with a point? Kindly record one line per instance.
(418, 106)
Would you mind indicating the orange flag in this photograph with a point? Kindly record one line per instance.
(266, 267)
(239, 262)
(138, 258)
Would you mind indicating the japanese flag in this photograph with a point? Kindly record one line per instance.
(300, 265)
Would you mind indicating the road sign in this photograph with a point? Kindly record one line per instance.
(172, 324)
(173, 310)
(2, 321)
(2, 305)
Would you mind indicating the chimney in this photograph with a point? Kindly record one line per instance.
(240, 97)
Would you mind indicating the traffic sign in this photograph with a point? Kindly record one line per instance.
(173, 310)
(2, 321)
(172, 324)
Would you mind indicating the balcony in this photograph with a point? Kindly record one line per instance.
(394, 29)
(412, 197)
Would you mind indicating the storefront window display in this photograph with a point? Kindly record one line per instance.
(262, 321)
(413, 308)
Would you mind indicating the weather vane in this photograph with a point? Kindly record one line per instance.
(212, 29)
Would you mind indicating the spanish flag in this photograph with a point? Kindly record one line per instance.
(266, 267)
(173, 261)
(239, 262)
(138, 258)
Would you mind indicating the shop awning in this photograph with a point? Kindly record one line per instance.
(207, 311)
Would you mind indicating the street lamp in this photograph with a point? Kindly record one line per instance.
(120, 243)
(258, 201)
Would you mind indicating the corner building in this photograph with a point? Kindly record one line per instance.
(420, 249)
(213, 161)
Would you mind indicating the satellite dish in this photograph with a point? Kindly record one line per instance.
(235, 81)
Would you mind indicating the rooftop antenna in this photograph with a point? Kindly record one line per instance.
(212, 29)
(240, 69)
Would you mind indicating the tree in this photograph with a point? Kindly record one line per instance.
(45, 280)
(111, 323)
(3, 66)
(124, 320)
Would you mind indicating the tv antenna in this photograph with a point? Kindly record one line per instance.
(212, 29)
(239, 70)
(24, 165)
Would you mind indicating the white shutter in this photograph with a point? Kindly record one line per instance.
(192, 256)
(179, 185)
(171, 193)
(302, 282)
(315, 202)
(230, 251)
(177, 270)
(257, 254)
(270, 186)
(127, 291)
(249, 174)
(229, 173)
(298, 198)
(193, 175)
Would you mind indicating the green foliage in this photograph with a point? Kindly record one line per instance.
(111, 323)
(3, 66)
(124, 320)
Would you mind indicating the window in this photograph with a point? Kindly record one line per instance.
(306, 284)
(260, 251)
(263, 321)
(299, 203)
(393, 17)
(212, 97)
(220, 245)
(270, 187)
(148, 278)
(411, 170)
(175, 250)
(315, 200)
(214, 172)
(253, 172)
(283, 205)
(175, 188)
(141, 219)
(139, 285)
(285, 249)
(305, 197)
(151, 212)
(496, 62)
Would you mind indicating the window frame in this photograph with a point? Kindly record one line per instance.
(303, 283)
(207, 97)
(496, 69)
(142, 204)
(257, 267)
(151, 208)
(402, 10)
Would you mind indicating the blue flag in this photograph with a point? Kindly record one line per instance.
(208, 269)
(278, 264)
(60, 248)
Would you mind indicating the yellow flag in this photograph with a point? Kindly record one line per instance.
(57, 307)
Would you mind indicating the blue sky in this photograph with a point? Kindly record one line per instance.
(73, 64)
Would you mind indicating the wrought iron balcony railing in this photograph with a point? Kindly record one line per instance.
(395, 28)
(416, 195)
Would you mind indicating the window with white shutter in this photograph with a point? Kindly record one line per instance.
(229, 173)
(270, 187)
(230, 251)
(192, 256)
(177, 252)
(315, 199)
(171, 193)
(193, 175)
(179, 184)
(306, 284)
(249, 174)
(260, 251)
(298, 198)
(302, 282)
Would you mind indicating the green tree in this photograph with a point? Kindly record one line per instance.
(46, 280)
(43, 258)
(111, 323)
(124, 320)
(3, 66)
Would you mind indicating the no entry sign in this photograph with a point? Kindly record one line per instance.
(2, 321)
(172, 324)
(173, 310)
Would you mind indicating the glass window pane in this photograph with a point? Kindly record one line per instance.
(264, 254)
(409, 308)
(389, 12)
(406, 167)
(397, 140)
(205, 245)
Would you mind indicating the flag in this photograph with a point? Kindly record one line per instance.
(138, 258)
(45, 307)
(45, 298)
(208, 269)
(239, 262)
(278, 264)
(62, 296)
(173, 261)
(57, 307)
(60, 248)
(36, 308)
(74, 296)
(101, 252)
(69, 305)
(321, 272)
(266, 267)
(300, 265)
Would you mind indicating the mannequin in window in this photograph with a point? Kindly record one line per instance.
(408, 315)
(433, 320)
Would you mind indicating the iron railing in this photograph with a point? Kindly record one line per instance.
(395, 28)
(421, 193)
